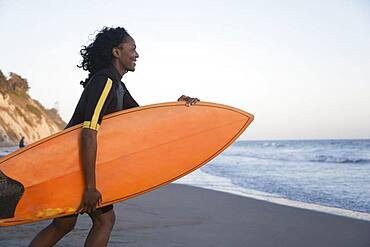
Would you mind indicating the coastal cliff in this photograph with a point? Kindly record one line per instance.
(20, 115)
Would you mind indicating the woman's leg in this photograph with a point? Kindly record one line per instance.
(50, 235)
(103, 220)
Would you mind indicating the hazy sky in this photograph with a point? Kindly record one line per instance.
(301, 67)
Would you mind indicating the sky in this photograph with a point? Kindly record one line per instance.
(302, 68)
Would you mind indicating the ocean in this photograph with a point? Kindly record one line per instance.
(332, 176)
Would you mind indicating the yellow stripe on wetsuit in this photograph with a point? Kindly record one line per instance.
(93, 124)
(87, 124)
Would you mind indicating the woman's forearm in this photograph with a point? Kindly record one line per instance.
(88, 148)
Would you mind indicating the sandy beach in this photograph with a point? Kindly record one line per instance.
(180, 215)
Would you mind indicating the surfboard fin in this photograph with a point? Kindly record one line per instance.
(11, 192)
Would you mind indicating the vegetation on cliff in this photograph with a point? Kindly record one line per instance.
(20, 115)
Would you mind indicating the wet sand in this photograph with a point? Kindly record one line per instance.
(180, 215)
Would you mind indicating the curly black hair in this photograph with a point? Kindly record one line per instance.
(98, 54)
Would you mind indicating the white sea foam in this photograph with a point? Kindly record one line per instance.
(7, 150)
(201, 179)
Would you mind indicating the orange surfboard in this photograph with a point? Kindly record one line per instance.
(139, 150)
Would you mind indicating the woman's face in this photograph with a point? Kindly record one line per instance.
(127, 54)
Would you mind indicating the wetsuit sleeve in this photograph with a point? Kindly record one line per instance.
(99, 95)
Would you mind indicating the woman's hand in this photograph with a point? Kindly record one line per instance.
(189, 100)
(91, 199)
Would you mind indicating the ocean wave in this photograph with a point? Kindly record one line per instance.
(332, 159)
(301, 158)
(204, 179)
(7, 150)
(4, 153)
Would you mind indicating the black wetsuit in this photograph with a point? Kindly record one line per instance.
(103, 94)
(21, 143)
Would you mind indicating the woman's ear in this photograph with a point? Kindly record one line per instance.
(115, 52)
